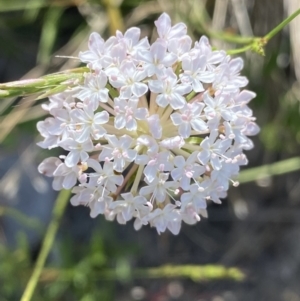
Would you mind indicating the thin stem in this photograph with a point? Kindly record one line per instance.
(239, 50)
(127, 177)
(280, 26)
(137, 179)
(152, 103)
(231, 38)
(58, 211)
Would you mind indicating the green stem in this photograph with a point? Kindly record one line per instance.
(239, 50)
(231, 38)
(280, 26)
(265, 171)
(58, 211)
(190, 96)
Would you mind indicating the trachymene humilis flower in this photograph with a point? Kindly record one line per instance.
(154, 132)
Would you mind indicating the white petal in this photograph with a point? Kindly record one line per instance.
(139, 89)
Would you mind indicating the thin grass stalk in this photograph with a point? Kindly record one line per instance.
(58, 211)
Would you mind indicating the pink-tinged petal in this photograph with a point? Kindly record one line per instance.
(48, 166)
(150, 172)
(84, 156)
(185, 130)
(236, 65)
(97, 208)
(128, 68)
(117, 179)
(140, 74)
(131, 125)
(240, 81)
(69, 181)
(145, 55)
(169, 59)
(177, 101)
(199, 63)
(160, 195)
(156, 86)
(57, 183)
(173, 142)
(158, 51)
(203, 156)
(127, 213)
(155, 127)
(174, 226)
(105, 154)
(143, 43)
(217, 57)
(185, 183)
(176, 118)
(216, 163)
(251, 129)
(183, 89)
(131, 155)
(112, 140)
(162, 100)
(142, 159)
(133, 34)
(141, 113)
(160, 224)
(163, 25)
(96, 42)
(207, 77)
(78, 115)
(187, 64)
(139, 89)
(120, 122)
(103, 95)
(197, 86)
(117, 81)
(176, 173)
(119, 164)
(179, 161)
(146, 190)
(101, 117)
(245, 96)
(205, 144)
(95, 165)
(88, 56)
(72, 158)
(98, 132)
(61, 170)
(178, 30)
(125, 141)
(125, 92)
(198, 125)
(84, 135)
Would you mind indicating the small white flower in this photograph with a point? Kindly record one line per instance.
(169, 91)
(94, 89)
(127, 113)
(87, 123)
(188, 118)
(118, 150)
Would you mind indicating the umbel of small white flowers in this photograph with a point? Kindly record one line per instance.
(154, 132)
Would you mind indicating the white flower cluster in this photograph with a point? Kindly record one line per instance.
(154, 132)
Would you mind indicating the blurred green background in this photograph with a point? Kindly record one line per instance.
(248, 248)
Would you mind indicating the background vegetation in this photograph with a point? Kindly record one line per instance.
(248, 248)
